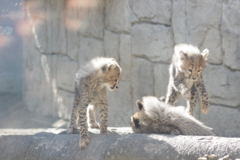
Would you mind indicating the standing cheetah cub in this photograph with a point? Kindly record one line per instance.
(186, 77)
(154, 116)
(90, 89)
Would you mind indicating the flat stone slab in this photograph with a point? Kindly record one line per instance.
(121, 143)
(33, 131)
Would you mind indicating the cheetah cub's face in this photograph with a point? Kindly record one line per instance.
(112, 76)
(135, 123)
(192, 64)
(140, 121)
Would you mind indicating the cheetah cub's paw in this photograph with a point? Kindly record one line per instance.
(104, 131)
(70, 130)
(175, 132)
(204, 106)
(187, 94)
(94, 125)
(84, 141)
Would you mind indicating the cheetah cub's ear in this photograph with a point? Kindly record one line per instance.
(113, 59)
(162, 99)
(139, 104)
(205, 53)
(108, 67)
(183, 55)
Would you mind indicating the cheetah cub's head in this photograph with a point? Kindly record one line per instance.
(143, 121)
(190, 60)
(112, 74)
(136, 119)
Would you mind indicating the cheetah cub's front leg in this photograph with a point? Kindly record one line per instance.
(186, 94)
(204, 103)
(104, 118)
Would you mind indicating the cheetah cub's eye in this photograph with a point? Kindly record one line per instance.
(189, 70)
(199, 71)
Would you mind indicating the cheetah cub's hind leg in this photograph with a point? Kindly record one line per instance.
(73, 126)
(92, 119)
(84, 136)
(192, 102)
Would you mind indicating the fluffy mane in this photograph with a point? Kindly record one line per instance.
(156, 109)
(186, 48)
(94, 65)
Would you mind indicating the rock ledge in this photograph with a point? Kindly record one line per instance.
(121, 143)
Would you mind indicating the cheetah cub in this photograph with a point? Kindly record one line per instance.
(186, 77)
(90, 89)
(154, 116)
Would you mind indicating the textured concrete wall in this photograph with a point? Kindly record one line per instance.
(141, 35)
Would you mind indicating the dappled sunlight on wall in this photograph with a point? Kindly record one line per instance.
(69, 15)
(76, 12)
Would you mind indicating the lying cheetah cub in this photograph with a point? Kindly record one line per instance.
(186, 77)
(155, 116)
(90, 84)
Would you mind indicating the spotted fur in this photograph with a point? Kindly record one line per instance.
(90, 91)
(155, 116)
(186, 77)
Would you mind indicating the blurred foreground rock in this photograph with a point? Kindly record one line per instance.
(120, 144)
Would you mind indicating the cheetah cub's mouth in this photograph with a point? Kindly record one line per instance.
(111, 88)
(114, 87)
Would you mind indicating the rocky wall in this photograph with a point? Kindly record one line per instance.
(140, 35)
